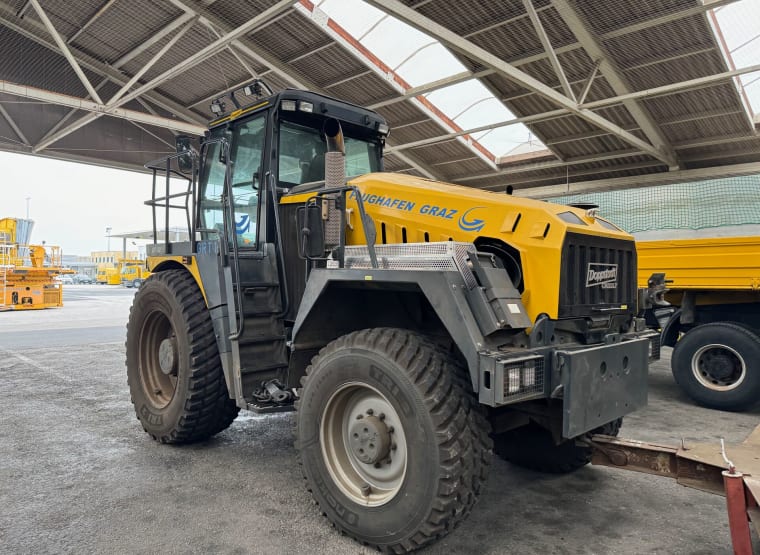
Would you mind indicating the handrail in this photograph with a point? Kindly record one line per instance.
(284, 296)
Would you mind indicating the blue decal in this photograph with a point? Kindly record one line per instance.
(243, 225)
(471, 225)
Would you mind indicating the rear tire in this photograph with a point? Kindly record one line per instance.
(533, 447)
(389, 387)
(718, 366)
(173, 367)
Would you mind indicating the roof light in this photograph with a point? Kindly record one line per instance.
(383, 128)
(257, 88)
(306, 107)
(288, 105)
(218, 107)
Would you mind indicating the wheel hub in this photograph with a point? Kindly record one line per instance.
(363, 444)
(370, 440)
(718, 367)
(167, 356)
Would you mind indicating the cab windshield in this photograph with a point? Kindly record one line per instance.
(302, 155)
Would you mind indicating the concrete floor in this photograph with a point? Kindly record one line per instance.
(78, 475)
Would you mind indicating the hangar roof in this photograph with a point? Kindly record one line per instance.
(611, 88)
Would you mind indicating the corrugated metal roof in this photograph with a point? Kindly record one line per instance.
(646, 44)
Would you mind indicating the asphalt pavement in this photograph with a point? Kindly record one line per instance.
(78, 474)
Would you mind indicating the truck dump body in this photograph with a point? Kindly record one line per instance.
(720, 263)
(714, 285)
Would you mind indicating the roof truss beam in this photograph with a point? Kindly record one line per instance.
(13, 125)
(64, 49)
(549, 164)
(101, 10)
(121, 97)
(50, 97)
(126, 58)
(613, 76)
(626, 182)
(465, 76)
(474, 52)
(548, 48)
(117, 99)
(36, 32)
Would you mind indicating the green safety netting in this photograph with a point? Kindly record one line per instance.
(694, 205)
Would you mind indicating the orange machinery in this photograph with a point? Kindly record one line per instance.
(28, 272)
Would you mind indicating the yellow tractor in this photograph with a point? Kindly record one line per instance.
(413, 326)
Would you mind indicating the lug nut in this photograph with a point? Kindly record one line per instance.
(359, 416)
(377, 465)
(390, 429)
(366, 490)
(381, 416)
(394, 447)
(370, 412)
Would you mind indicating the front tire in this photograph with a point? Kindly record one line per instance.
(391, 442)
(173, 367)
(718, 366)
(533, 447)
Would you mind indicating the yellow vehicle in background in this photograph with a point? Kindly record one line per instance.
(133, 275)
(714, 327)
(108, 276)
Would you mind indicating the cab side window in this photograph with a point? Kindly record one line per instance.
(245, 155)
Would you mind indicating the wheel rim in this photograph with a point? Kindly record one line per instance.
(158, 359)
(363, 444)
(718, 367)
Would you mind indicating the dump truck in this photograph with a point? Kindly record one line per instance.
(134, 274)
(714, 328)
(414, 326)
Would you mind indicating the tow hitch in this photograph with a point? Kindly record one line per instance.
(731, 470)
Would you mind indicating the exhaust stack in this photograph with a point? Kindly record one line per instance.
(335, 165)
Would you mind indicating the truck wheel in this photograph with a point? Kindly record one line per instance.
(718, 366)
(136, 283)
(392, 444)
(173, 367)
(533, 447)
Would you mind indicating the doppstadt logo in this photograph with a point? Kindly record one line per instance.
(474, 224)
(604, 275)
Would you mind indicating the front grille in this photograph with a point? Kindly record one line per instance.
(597, 274)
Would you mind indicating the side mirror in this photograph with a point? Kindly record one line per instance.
(224, 147)
(311, 242)
(185, 150)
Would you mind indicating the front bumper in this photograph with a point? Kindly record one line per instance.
(596, 384)
(602, 383)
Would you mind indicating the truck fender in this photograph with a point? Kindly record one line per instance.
(670, 332)
(319, 315)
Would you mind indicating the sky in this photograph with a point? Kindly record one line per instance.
(73, 204)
